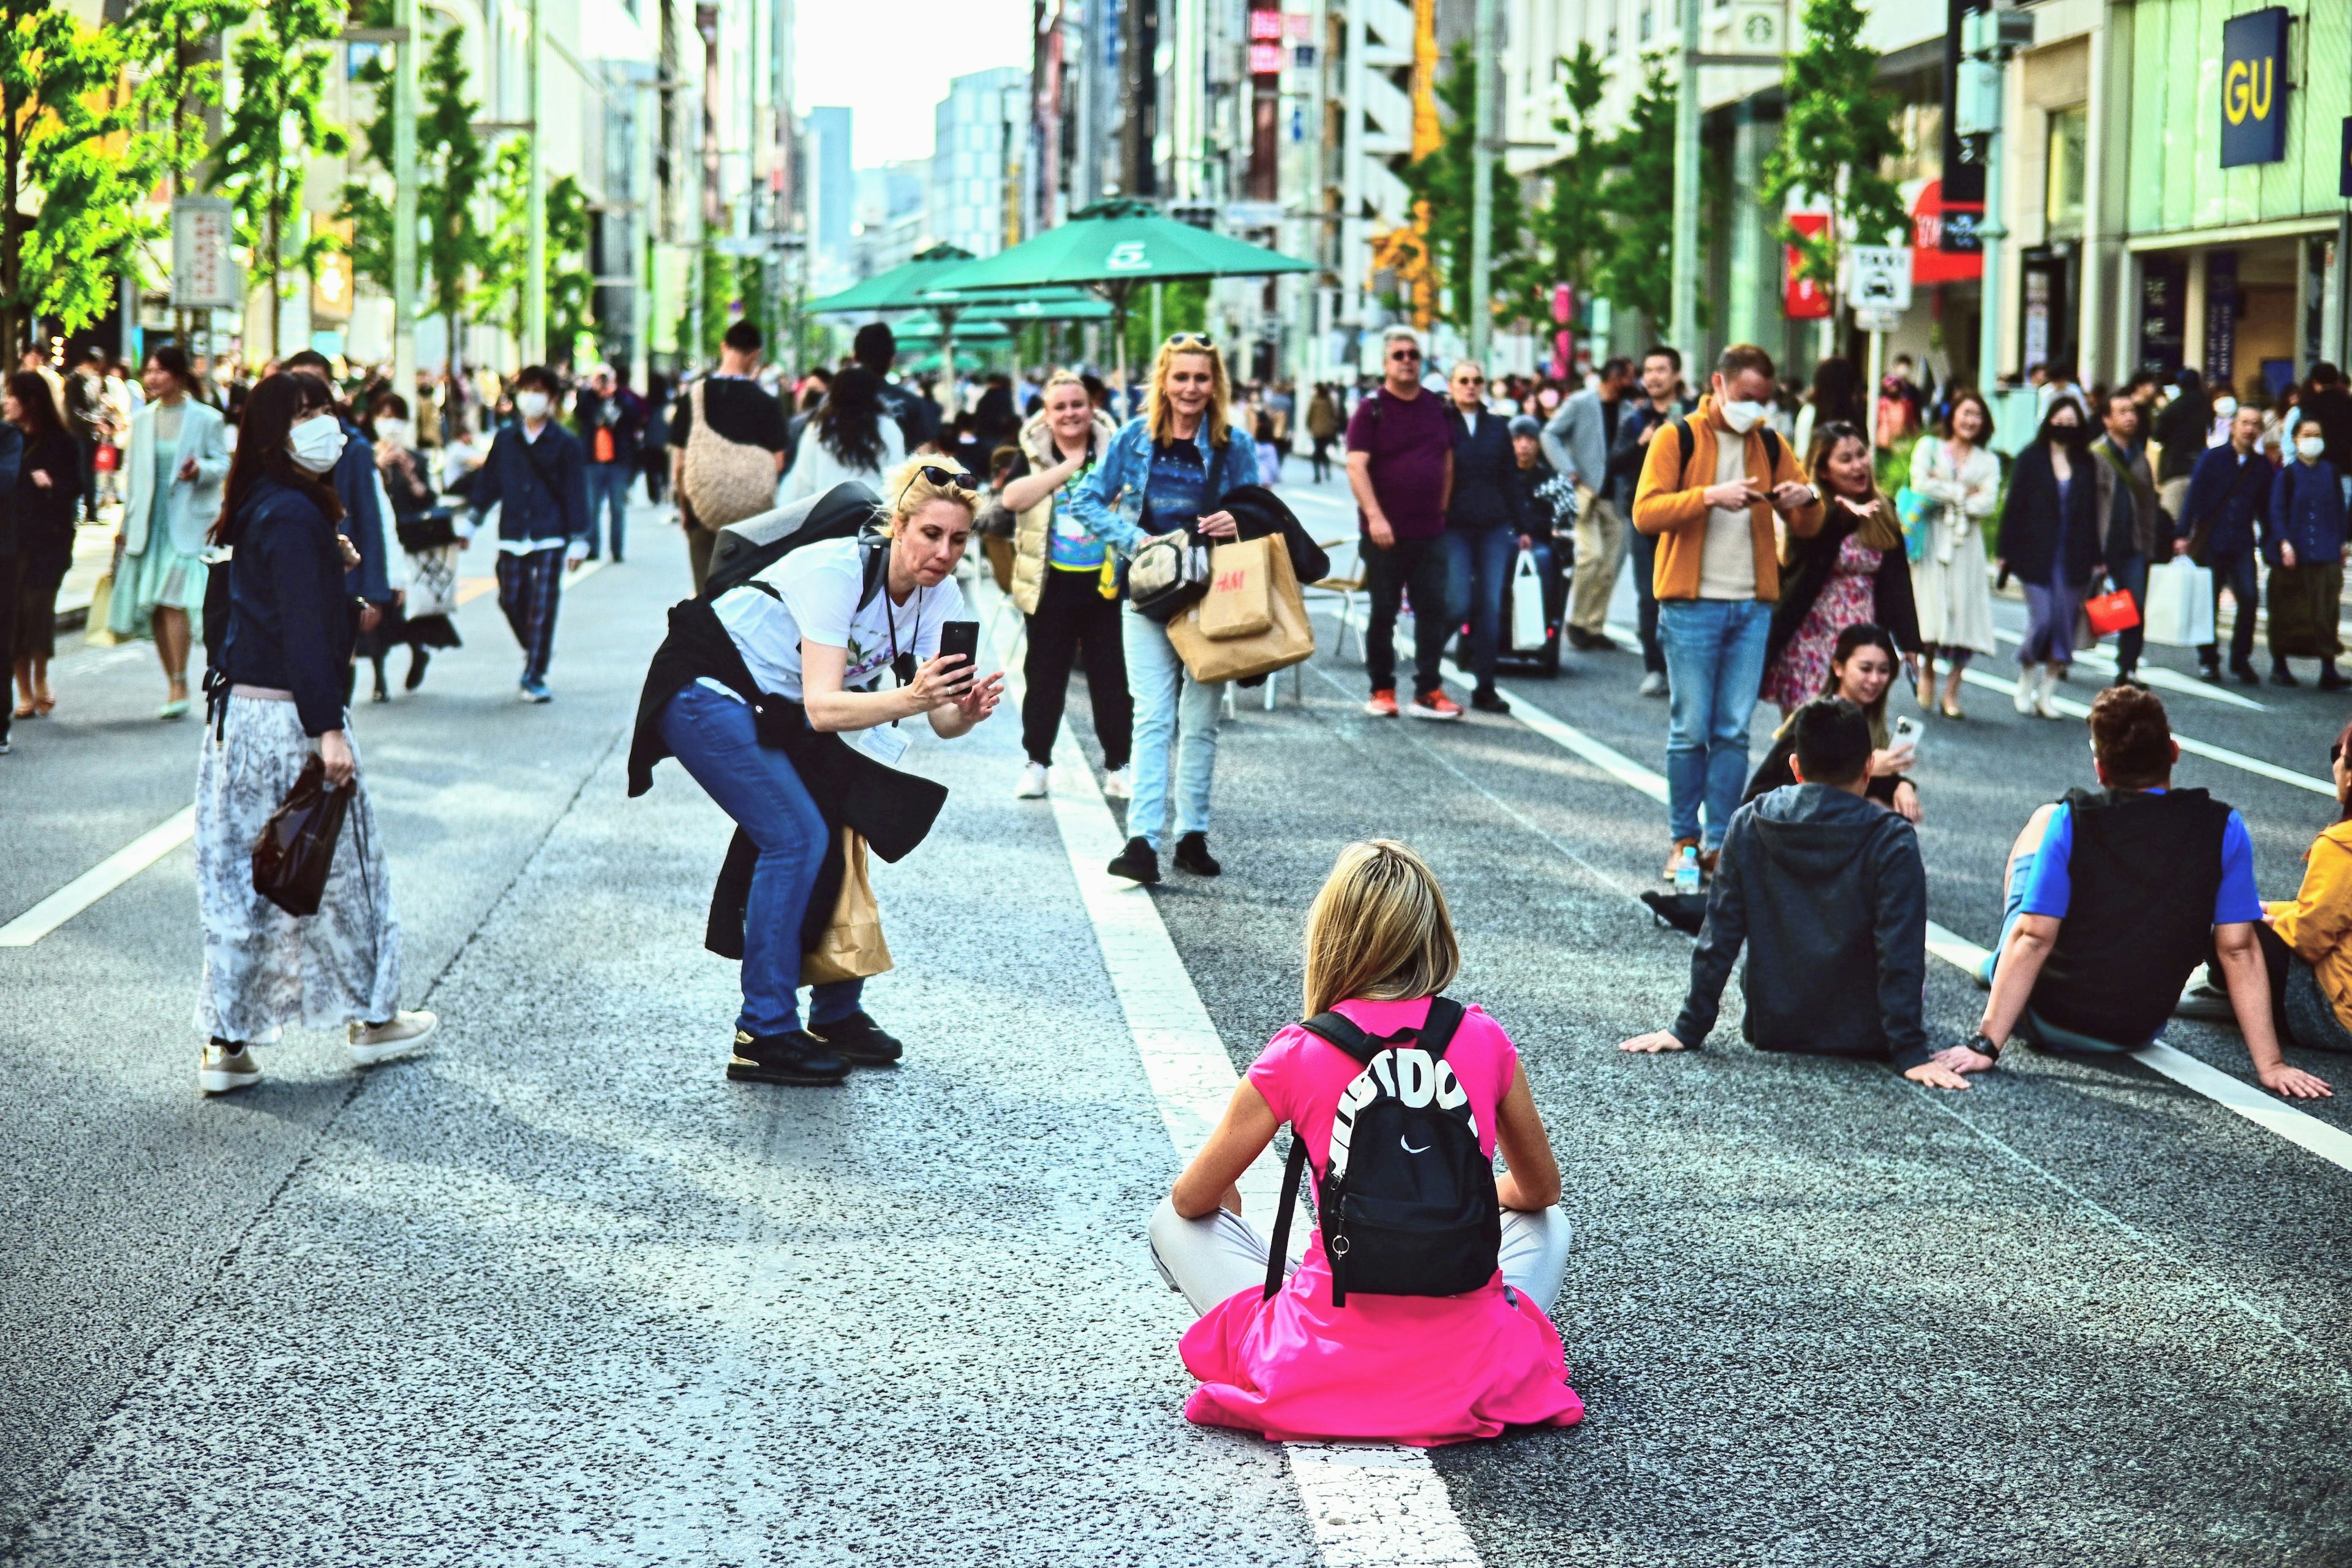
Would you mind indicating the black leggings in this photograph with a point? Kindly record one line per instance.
(1072, 612)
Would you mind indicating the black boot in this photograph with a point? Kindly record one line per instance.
(2329, 679)
(1192, 855)
(859, 1041)
(2281, 675)
(1137, 863)
(796, 1056)
(418, 658)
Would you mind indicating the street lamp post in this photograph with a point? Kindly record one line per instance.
(1683, 291)
(1989, 38)
(1482, 184)
(534, 272)
(403, 197)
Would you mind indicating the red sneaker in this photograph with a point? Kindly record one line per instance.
(1383, 703)
(1435, 705)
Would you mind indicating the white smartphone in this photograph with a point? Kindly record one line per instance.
(1907, 732)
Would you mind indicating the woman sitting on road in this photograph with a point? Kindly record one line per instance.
(2308, 939)
(752, 692)
(1460, 1362)
(1165, 472)
(1861, 670)
(276, 703)
(1852, 572)
(1065, 583)
(849, 437)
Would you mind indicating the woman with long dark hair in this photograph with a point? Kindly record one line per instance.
(1862, 668)
(849, 438)
(274, 701)
(2049, 538)
(49, 491)
(177, 459)
(1852, 572)
(1955, 470)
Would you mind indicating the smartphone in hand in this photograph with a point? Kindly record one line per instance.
(960, 639)
(1905, 738)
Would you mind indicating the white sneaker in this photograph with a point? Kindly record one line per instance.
(1653, 684)
(1119, 784)
(223, 1071)
(404, 1032)
(2028, 680)
(1032, 782)
(2045, 696)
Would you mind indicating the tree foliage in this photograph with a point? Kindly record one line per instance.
(1639, 194)
(1573, 226)
(507, 254)
(172, 43)
(276, 126)
(1443, 178)
(1836, 136)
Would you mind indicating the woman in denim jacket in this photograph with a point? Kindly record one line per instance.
(1166, 470)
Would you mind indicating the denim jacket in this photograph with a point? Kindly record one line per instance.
(1109, 501)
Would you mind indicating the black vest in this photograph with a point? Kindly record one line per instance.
(2146, 869)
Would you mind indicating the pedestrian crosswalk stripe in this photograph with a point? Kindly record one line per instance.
(2211, 752)
(100, 879)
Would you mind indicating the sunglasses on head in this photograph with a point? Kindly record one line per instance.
(1190, 341)
(947, 478)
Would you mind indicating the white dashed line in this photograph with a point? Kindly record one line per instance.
(100, 879)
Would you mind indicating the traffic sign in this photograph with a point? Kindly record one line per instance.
(1879, 276)
(204, 271)
(1870, 320)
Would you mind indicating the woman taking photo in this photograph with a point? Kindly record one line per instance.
(849, 438)
(49, 492)
(278, 703)
(1861, 670)
(1852, 572)
(752, 693)
(2049, 538)
(177, 460)
(1485, 522)
(1165, 472)
(1065, 583)
(1957, 471)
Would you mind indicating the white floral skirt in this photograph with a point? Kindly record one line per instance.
(264, 968)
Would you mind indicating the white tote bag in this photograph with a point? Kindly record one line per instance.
(2179, 608)
(1526, 605)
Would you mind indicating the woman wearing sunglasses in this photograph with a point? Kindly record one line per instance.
(754, 692)
(1165, 472)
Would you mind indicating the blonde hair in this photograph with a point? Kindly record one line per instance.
(1216, 419)
(1379, 929)
(910, 490)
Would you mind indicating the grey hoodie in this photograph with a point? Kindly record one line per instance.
(1827, 894)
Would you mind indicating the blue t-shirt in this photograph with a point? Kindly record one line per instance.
(2052, 887)
(1070, 545)
(1171, 497)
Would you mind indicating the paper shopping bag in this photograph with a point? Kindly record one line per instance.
(1289, 640)
(852, 947)
(1527, 591)
(96, 631)
(1240, 600)
(2179, 608)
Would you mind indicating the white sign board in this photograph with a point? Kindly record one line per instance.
(205, 274)
(1872, 320)
(1879, 276)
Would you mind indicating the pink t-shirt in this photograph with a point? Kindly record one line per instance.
(1420, 1370)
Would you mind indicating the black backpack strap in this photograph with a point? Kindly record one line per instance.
(1338, 1030)
(1772, 450)
(1278, 1249)
(1445, 1015)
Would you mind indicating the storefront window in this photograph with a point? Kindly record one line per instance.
(2063, 208)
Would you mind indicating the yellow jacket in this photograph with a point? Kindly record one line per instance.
(1671, 503)
(2318, 924)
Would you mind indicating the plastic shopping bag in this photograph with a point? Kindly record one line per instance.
(2179, 608)
(1526, 605)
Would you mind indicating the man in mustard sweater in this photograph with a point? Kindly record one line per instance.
(1708, 493)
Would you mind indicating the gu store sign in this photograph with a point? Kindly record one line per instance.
(2253, 88)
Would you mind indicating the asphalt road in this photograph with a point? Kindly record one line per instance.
(558, 1294)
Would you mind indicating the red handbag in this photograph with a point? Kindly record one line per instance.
(2112, 613)
(108, 457)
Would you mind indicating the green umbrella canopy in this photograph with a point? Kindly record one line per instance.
(930, 362)
(1110, 246)
(902, 287)
(1044, 305)
(927, 333)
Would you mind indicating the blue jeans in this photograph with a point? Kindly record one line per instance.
(1477, 564)
(1176, 721)
(1715, 663)
(608, 486)
(714, 738)
(2130, 574)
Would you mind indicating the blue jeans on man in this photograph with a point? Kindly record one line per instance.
(1478, 565)
(608, 486)
(713, 736)
(1714, 664)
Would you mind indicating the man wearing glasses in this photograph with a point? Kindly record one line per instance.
(1401, 468)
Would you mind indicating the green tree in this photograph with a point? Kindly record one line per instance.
(169, 41)
(276, 125)
(1836, 138)
(507, 255)
(1574, 225)
(364, 206)
(1443, 179)
(450, 157)
(1638, 194)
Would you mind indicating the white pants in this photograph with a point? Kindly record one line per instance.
(1211, 1258)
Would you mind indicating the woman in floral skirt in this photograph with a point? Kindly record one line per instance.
(1852, 572)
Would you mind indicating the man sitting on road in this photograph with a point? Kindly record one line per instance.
(2114, 897)
(1828, 893)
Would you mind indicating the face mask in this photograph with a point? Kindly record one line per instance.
(392, 432)
(1743, 416)
(316, 443)
(532, 405)
(2310, 446)
(2224, 406)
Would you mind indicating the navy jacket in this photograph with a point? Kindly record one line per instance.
(2306, 510)
(1487, 489)
(544, 485)
(289, 623)
(2030, 518)
(2228, 494)
(364, 521)
(626, 413)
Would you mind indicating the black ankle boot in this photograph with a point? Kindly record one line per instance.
(1137, 863)
(1192, 855)
(417, 659)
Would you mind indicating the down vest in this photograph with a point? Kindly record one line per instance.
(1033, 529)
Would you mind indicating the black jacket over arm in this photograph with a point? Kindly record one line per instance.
(1811, 563)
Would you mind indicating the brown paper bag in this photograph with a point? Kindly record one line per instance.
(96, 631)
(1289, 640)
(1240, 601)
(852, 947)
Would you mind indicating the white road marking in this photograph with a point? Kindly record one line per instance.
(100, 880)
(1369, 1505)
(2155, 675)
(2195, 748)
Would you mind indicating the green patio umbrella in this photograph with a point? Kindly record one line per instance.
(902, 287)
(1109, 247)
(928, 333)
(935, 361)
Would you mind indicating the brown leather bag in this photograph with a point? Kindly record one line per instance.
(297, 847)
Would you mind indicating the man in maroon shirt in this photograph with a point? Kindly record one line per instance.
(1401, 468)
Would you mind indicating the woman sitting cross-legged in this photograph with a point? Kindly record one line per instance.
(1395, 1326)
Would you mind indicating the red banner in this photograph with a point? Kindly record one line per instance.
(1930, 262)
(1804, 300)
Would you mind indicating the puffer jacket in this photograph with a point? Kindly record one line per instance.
(1033, 527)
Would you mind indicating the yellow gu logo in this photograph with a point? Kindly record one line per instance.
(2248, 90)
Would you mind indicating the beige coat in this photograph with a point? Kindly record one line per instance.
(1033, 529)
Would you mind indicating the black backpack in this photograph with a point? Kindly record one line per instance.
(1408, 1202)
(743, 549)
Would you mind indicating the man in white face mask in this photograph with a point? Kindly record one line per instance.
(1709, 490)
(2303, 537)
(537, 476)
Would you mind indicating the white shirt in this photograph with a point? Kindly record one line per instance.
(817, 588)
(816, 470)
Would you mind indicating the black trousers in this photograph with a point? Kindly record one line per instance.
(1322, 457)
(1420, 565)
(2235, 572)
(9, 565)
(1645, 600)
(1072, 614)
